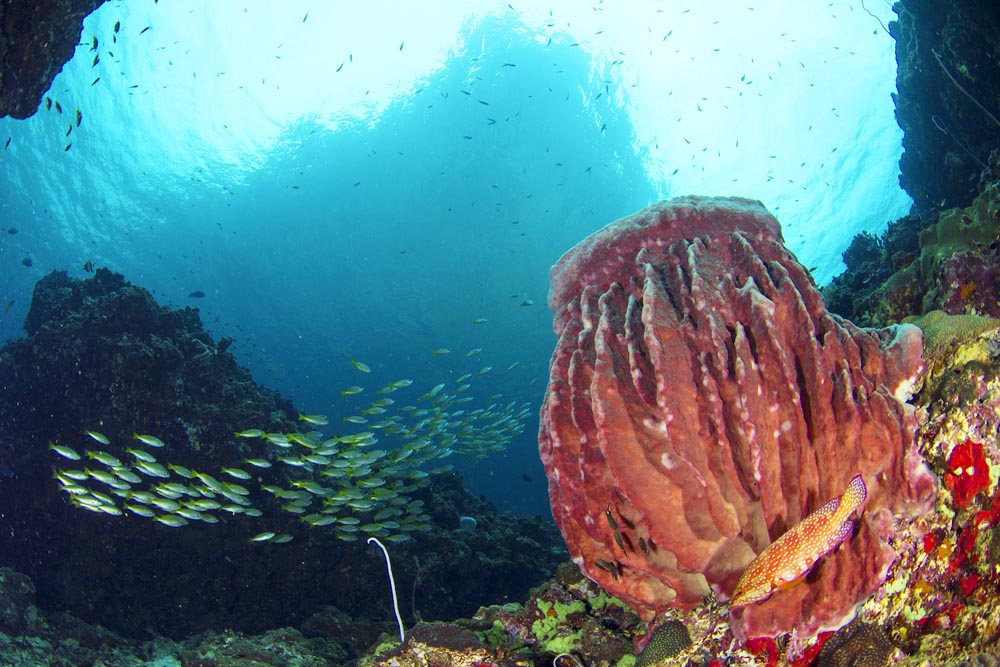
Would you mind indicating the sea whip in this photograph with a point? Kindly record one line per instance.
(392, 586)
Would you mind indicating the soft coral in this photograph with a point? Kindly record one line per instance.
(968, 472)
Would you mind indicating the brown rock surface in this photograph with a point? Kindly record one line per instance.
(36, 39)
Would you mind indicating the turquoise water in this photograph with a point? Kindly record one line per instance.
(370, 182)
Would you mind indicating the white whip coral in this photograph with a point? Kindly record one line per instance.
(392, 586)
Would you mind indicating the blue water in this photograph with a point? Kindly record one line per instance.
(365, 183)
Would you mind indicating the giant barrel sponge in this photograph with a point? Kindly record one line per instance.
(702, 402)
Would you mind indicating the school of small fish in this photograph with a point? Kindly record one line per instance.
(345, 482)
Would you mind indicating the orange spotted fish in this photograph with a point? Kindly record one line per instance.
(790, 557)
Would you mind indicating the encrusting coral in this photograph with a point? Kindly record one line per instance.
(665, 641)
(859, 644)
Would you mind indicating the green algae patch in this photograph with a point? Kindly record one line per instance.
(550, 628)
(602, 601)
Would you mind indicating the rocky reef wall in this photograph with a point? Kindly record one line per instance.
(101, 355)
(948, 99)
(36, 40)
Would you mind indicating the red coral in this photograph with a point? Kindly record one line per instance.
(702, 401)
(968, 583)
(807, 657)
(990, 517)
(942, 619)
(764, 646)
(968, 472)
(964, 549)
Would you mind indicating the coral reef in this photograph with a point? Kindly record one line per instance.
(942, 597)
(18, 613)
(950, 264)
(872, 262)
(949, 336)
(858, 644)
(981, 660)
(441, 644)
(63, 640)
(36, 40)
(568, 615)
(666, 641)
(948, 98)
(939, 603)
(281, 647)
(702, 402)
(102, 355)
(959, 265)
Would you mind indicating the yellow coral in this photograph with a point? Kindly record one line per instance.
(954, 340)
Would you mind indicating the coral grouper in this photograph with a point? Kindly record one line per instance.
(789, 558)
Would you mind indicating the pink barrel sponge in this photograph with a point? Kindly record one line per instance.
(702, 402)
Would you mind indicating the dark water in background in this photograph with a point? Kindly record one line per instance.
(382, 235)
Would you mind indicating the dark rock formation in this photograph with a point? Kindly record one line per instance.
(36, 39)
(856, 294)
(18, 613)
(101, 354)
(949, 97)
(62, 639)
